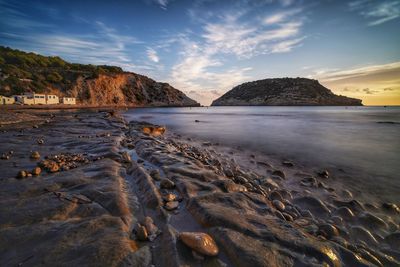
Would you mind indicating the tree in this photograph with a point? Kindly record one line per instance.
(54, 77)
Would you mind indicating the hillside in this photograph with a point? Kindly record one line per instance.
(92, 85)
(283, 92)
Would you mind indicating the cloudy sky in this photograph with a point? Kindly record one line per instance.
(205, 47)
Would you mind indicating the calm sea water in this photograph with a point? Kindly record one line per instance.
(364, 141)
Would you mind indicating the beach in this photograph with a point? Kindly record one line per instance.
(115, 191)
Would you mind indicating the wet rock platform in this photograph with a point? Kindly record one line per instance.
(116, 193)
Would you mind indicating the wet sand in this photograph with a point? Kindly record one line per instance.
(118, 193)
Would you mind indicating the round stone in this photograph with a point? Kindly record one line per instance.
(200, 242)
(167, 184)
(169, 197)
(36, 171)
(278, 205)
(172, 205)
(21, 174)
(141, 233)
(328, 230)
(35, 155)
(276, 196)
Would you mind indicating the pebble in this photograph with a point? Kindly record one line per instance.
(200, 242)
(275, 196)
(268, 182)
(151, 228)
(172, 205)
(5, 156)
(309, 182)
(241, 180)
(167, 184)
(278, 205)
(36, 171)
(328, 230)
(169, 197)
(279, 215)
(337, 220)
(228, 173)
(371, 221)
(364, 235)
(306, 213)
(302, 222)
(391, 207)
(287, 216)
(155, 174)
(286, 194)
(324, 174)
(35, 155)
(345, 213)
(314, 205)
(287, 163)
(52, 167)
(354, 205)
(347, 194)
(21, 174)
(266, 164)
(141, 233)
(126, 157)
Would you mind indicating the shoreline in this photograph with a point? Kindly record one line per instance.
(259, 212)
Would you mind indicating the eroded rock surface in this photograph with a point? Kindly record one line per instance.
(131, 198)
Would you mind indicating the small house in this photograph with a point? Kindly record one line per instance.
(52, 99)
(32, 99)
(25, 99)
(4, 100)
(68, 100)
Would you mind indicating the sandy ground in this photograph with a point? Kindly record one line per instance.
(114, 193)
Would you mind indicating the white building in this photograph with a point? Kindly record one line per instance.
(39, 99)
(68, 100)
(52, 99)
(4, 100)
(25, 99)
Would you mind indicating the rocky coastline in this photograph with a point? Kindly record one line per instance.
(88, 188)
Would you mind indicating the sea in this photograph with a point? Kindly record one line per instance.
(362, 142)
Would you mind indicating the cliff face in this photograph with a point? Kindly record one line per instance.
(127, 89)
(283, 92)
(92, 85)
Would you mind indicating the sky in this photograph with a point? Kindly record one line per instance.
(206, 47)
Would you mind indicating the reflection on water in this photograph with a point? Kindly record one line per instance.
(365, 140)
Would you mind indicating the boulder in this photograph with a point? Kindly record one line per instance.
(200, 242)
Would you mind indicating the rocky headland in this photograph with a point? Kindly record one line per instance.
(283, 92)
(91, 85)
(88, 188)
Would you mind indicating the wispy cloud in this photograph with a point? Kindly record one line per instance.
(197, 71)
(335, 75)
(377, 11)
(161, 3)
(245, 41)
(365, 82)
(201, 66)
(152, 55)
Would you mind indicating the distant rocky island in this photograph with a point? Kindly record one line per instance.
(283, 92)
(91, 85)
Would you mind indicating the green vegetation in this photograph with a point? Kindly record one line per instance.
(21, 71)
